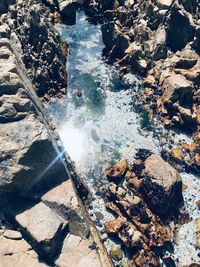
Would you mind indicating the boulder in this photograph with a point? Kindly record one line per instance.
(180, 25)
(43, 228)
(63, 200)
(68, 12)
(177, 88)
(17, 253)
(164, 3)
(161, 187)
(76, 252)
(22, 164)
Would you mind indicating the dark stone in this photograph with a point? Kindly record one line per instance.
(179, 31)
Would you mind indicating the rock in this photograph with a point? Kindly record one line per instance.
(11, 234)
(63, 200)
(197, 222)
(197, 159)
(22, 166)
(161, 187)
(42, 226)
(117, 172)
(142, 66)
(150, 81)
(115, 41)
(177, 88)
(137, 212)
(184, 187)
(177, 153)
(198, 204)
(9, 83)
(159, 44)
(164, 3)
(146, 258)
(116, 253)
(187, 59)
(76, 253)
(68, 12)
(44, 54)
(180, 25)
(125, 231)
(17, 252)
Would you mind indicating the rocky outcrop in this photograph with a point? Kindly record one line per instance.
(44, 219)
(142, 196)
(44, 54)
(158, 39)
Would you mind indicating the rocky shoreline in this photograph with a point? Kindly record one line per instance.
(43, 221)
(43, 216)
(159, 41)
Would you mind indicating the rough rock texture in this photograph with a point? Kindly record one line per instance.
(151, 194)
(63, 200)
(76, 253)
(37, 195)
(160, 176)
(44, 54)
(159, 39)
(17, 253)
(68, 12)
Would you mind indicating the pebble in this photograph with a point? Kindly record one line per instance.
(116, 253)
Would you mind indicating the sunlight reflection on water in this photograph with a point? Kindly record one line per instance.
(73, 141)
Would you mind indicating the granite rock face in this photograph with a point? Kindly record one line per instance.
(40, 207)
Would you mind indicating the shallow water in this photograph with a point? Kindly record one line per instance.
(98, 125)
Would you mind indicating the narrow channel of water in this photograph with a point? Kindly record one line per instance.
(98, 125)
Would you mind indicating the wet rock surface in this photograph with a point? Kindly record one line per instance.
(143, 201)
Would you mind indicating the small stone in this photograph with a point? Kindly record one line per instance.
(167, 122)
(184, 187)
(10, 234)
(124, 263)
(117, 172)
(197, 159)
(197, 222)
(177, 153)
(116, 253)
(79, 93)
(186, 146)
(198, 204)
